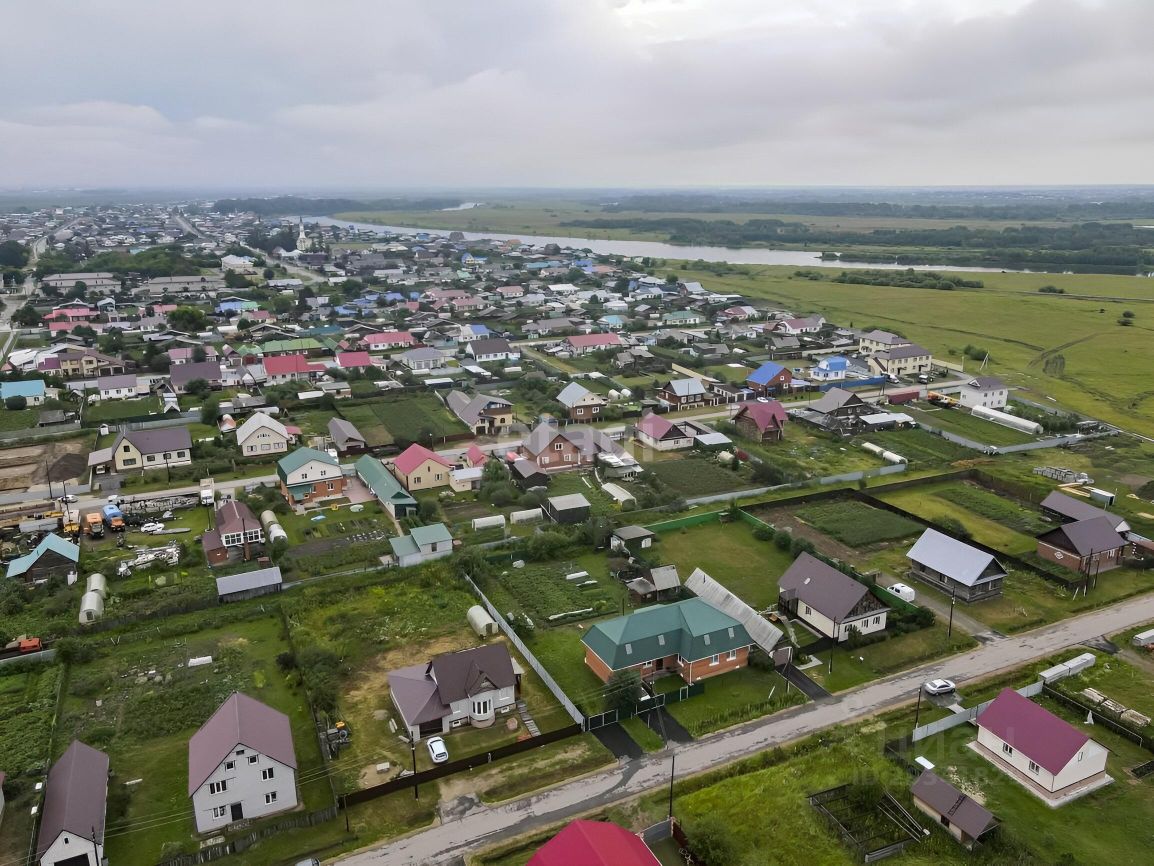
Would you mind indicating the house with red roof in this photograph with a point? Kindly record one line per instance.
(474, 456)
(583, 344)
(418, 468)
(594, 843)
(354, 360)
(291, 368)
(1047, 755)
(657, 432)
(762, 422)
(388, 340)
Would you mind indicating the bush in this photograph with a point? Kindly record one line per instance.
(955, 527)
(782, 539)
(711, 841)
(16, 403)
(764, 533)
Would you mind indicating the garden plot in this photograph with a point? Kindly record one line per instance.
(141, 702)
(856, 524)
(556, 591)
(698, 476)
(376, 434)
(411, 418)
(920, 447)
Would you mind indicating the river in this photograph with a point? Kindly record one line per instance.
(659, 250)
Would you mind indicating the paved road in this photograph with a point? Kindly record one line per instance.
(485, 825)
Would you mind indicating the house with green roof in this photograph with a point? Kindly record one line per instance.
(298, 346)
(688, 638)
(388, 490)
(52, 557)
(422, 544)
(307, 475)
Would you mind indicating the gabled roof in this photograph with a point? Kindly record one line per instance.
(691, 628)
(717, 596)
(822, 587)
(343, 432)
(75, 796)
(685, 387)
(911, 350)
(1079, 509)
(239, 721)
(159, 440)
(765, 416)
(1085, 537)
(284, 365)
(414, 456)
(235, 516)
(658, 427)
(259, 421)
(249, 580)
(470, 409)
(633, 533)
(584, 341)
(1045, 739)
(765, 373)
(432, 533)
(384, 486)
(572, 393)
(963, 812)
(594, 843)
(53, 543)
(588, 440)
(955, 559)
(416, 695)
(467, 672)
(294, 460)
(836, 398)
(182, 374)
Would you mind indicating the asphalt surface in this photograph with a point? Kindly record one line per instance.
(484, 825)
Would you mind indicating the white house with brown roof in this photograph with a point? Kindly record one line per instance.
(75, 800)
(241, 764)
(262, 434)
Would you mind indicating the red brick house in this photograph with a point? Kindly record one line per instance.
(557, 448)
(1086, 546)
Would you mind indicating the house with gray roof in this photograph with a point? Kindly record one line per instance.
(570, 508)
(763, 633)
(469, 687)
(963, 817)
(484, 414)
(241, 764)
(689, 638)
(347, 439)
(580, 403)
(141, 450)
(1066, 509)
(965, 572)
(422, 544)
(656, 584)
(75, 802)
(830, 602)
(1087, 546)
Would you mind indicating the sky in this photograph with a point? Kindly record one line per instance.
(378, 94)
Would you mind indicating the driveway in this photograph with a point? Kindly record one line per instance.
(486, 826)
(941, 607)
(807, 686)
(615, 739)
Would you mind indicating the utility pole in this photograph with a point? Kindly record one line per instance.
(950, 630)
(918, 711)
(672, 767)
(413, 747)
(95, 849)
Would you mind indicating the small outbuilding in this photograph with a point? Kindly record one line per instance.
(91, 607)
(480, 621)
(963, 817)
(249, 584)
(631, 538)
(570, 508)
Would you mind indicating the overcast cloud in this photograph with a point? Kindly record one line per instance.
(376, 93)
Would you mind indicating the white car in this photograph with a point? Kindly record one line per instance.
(152, 527)
(437, 750)
(68, 498)
(905, 593)
(939, 687)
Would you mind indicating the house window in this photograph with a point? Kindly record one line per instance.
(167, 455)
(252, 759)
(230, 765)
(240, 751)
(151, 458)
(127, 448)
(568, 458)
(545, 460)
(808, 610)
(129, 462)
(332, 486)
(266, 773)
(714, 660)
(1007, 749)
(1033, 767)
(270, 798)
(219, 811)
(558, 446)
(732, 655)
(877, 620)
(218, 787)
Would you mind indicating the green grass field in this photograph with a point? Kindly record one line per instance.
(733, 698)
(19, 419)
(730, 554)
(923, 501)
(855, 523)
(364, 418)
(962, 423)
(540, 590)
(115, 410)
(920, 447)
(414, 417)
(697, 476)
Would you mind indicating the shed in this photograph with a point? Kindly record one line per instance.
(963, 817)
(480, 621)
(249, 584)
(571, 508)
(91, 607)
(1144, 638)
(631, 538)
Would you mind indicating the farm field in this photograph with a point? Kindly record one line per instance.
(923, 501)
(697, 476)
(730, 554)
(961, 422)
(1099, 372)
(855, 523)
(144, 721)
(920, 447)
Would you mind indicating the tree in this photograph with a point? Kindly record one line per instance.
(622, 691)
(16, 403)
(199, 354)
(711, 841)
(210, 411)
(85, 333)
(281, 305)
(27, 317)
(198, 388)
(13, 254)
(233, 280)
(269, 274)
(187, 319)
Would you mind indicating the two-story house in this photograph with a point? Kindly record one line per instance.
(307, 475)
(908, 360)
(769, 378)
(241, 764)
(657, 432)
(762, 422)
(685, 394)
(484, 414)
(422, 544)
(879, 341)
(75, 804)
(139, 450)
(236, 529)
(262, 434)
(580, 403)
(832, 603)
(418, 468)
(557, 448)
(988, 391)
(470, 687)
(291, 368)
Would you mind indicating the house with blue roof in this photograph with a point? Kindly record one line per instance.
(831, 369)
(769, 379)
(32, 390)
(52, 557)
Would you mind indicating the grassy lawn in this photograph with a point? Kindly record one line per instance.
(115, 410)
(145, 725)
(19, 419)
(548, 765)
(560, 650)
(643, 735)
(697, 476)
(1129, 685)
(367, 422)
(730, 554)
(733, 698)
(923, 502)
(810, 453)
(565, 483)
(852, 667)
(855, 523)
(412, 417)
(998, 508)
(961, 422)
